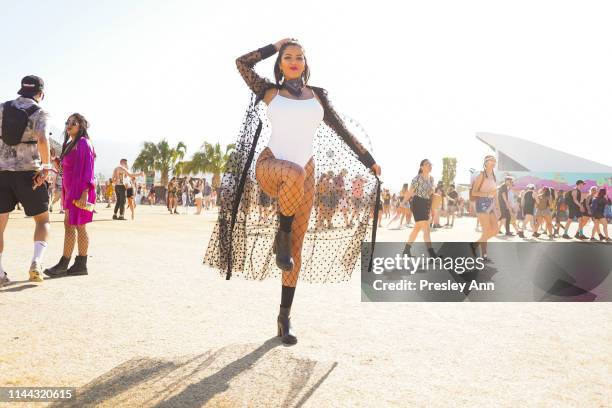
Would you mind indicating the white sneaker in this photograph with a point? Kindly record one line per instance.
(4, 279)
(36, 272)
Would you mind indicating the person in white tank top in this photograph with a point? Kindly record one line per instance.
(296, 121)
(285, 169)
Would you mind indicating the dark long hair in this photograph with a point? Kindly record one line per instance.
(421, 165)
(602, 193)
(68, 144)
(278, 75)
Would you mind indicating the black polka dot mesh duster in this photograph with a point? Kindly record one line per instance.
(345, 197)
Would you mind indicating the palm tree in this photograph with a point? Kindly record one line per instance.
(210, 159)
(159, 157)
(180, 168)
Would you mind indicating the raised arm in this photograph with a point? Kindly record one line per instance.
(333, 120)
(246, 67)
(127, 173)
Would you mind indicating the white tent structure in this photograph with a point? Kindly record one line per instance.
(520, 155)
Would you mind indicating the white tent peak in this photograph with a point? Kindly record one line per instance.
(516, 154)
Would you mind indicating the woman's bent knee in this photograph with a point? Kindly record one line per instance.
(295, 173)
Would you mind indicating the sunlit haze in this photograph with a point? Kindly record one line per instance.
(421, 77)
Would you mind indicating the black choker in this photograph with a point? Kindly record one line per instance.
(294, 86)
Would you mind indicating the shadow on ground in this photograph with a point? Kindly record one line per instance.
(236, 375)
(13, 286)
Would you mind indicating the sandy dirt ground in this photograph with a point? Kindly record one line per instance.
(151, 326)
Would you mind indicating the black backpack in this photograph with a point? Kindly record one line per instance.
(15, 122)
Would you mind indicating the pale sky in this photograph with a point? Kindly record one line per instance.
(421, 77)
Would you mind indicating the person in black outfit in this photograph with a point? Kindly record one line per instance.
(504, 204)
(528, 205)
(573, 200)
(598, 207)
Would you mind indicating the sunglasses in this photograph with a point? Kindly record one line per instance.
(71, 123)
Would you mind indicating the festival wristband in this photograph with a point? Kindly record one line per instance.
(47, 166)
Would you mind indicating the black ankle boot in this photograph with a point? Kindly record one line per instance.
(58, 270)
(79, 267)
(282, 249)
(473, 246)
(432, 253)
(284, 326)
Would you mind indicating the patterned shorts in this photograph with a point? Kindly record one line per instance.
(484, 205)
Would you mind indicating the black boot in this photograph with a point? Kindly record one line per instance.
(432, 253)
(284, 326)
(473, 246)
(282, 249)
(407, 249)
(79, 267)
(59, 269)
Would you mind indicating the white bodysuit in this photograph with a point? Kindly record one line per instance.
(294, 124)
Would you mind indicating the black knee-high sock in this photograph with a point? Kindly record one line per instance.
(285, 222)
(507, 225)
(287, 296)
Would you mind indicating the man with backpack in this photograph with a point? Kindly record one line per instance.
(24, 167)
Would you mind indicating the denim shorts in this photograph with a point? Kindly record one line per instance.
(484, 205)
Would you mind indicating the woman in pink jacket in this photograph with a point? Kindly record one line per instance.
(78, 195)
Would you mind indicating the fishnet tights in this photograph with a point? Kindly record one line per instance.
(294, 187)
(71, 232)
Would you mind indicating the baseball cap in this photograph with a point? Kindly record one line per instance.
(31, 85)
